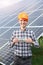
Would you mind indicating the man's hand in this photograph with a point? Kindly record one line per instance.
(29, 40)
(15, 40)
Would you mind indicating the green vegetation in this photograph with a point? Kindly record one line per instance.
(40, 40)
(37, 58)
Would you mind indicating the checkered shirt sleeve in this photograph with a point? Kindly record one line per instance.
(36, 44)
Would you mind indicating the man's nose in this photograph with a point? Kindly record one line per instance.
(22, 22)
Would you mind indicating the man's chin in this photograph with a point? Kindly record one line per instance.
(24, 27)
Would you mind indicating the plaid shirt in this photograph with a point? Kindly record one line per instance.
(23, 48)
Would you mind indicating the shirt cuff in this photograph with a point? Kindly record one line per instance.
(36, 44)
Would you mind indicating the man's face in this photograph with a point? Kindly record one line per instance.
(23, 23)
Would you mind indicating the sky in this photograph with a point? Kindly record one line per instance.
(5, 3)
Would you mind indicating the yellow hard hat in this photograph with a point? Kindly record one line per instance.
(23, 15)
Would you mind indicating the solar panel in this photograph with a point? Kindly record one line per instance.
(35, 12)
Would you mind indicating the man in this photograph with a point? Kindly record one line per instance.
(22, 40)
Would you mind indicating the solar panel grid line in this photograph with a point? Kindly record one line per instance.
(2, 30)
(34, 16)
(35, 19)
(36, 10)
(40, 35)
(26, 26)
(17, 10)
(4, 45)
(8, 55)
(10, 58)
(38, 22)
(35, 5)
(3, 41)
(39, 31)
(8, 34)
(9, 21)
(7, 30)
(20, 9)
(6, 20)
(7, 52)
(35, 26)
